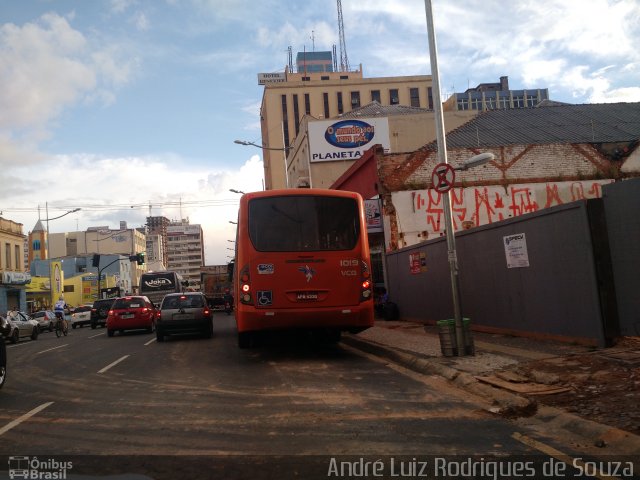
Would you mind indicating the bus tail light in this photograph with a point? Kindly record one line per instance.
(245, 286)
(365, 286)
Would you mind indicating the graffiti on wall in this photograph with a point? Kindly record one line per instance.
(421, 212)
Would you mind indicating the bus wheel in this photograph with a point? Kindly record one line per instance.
(245, 340)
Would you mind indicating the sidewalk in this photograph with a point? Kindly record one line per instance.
(533, 376)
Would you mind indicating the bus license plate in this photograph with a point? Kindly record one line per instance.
(307, 296)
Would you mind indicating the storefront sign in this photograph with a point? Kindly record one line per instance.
(374, 216)
(16, 278)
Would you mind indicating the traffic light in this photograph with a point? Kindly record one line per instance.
(96, 260)
(140, 258)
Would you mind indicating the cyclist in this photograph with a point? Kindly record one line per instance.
(59, 310)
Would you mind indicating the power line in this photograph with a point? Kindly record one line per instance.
(128, 206)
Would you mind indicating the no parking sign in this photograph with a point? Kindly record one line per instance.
(443, 177)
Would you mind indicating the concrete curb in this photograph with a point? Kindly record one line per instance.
(505, 403)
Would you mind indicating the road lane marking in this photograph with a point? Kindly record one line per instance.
(113, 364)
(557, 454)
(23, 418)
(94, 336)
(150, 342)
(49, 349)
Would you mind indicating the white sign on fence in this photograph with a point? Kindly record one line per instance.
(515, 249)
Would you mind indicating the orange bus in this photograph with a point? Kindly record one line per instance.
(302, 262)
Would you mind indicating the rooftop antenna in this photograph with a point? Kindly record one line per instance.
(344, 61)
(313, 42)
(335, 58)
(290, 53)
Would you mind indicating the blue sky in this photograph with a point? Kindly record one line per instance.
(113, 104)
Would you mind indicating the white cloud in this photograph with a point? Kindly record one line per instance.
(106, 188)
(50, 67)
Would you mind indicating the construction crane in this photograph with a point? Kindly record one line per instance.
(344, 61)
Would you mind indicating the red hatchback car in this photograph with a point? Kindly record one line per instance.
(131, 313)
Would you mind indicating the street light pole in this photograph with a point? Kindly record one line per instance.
(284, 150)
(51, 299)
(442, 156)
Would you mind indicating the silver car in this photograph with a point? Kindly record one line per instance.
(46, 319)
(186, 312)
(21, 325)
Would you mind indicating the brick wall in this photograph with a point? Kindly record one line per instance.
(565, 171)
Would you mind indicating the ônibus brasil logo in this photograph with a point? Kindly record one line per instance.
(37, 469)
(349, 133)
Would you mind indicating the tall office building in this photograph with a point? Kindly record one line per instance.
(319, 91)
(158, 226)
(185, 250)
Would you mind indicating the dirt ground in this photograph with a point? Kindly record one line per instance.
(604, 385)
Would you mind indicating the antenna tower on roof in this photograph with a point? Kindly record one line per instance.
(344, 61)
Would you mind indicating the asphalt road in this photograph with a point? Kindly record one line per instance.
(128, 403)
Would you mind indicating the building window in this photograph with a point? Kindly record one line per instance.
(375, 96)
(532, 99)
(344, 77)
(340, 106)
(430, 98)
(306, 79)
(476, 103)
(355, 99)
(325, 77)
(285, 121)
(296, 114)
(7, 255)
(489, 103)
(518, 101)
(503, 100)
(325, 100)
(463, 103)
(17, 251)
(414, 95)
(35, 246)
(394, 98)
(307, 104)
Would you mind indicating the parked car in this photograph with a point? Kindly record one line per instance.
(186, 312)
(21, 325)
(131, 313)
(100, 311)
(46, 319)
(81, 316)
(4, 328)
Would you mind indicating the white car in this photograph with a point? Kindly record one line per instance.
(46, 319)
(21, 325)
(81, 316)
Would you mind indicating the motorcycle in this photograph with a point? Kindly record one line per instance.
(228, 307)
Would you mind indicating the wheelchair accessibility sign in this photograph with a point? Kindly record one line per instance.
(265, 298)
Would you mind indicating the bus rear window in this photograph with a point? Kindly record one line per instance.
(303, 223)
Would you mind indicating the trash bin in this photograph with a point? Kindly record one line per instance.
(447, 333)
